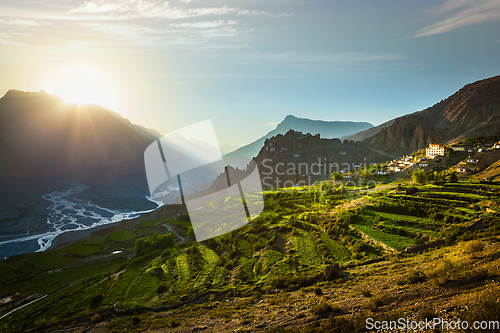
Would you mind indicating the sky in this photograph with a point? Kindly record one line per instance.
(247, 64)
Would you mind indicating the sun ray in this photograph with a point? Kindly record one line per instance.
(83, 85)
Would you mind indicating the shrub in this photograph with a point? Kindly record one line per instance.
(184, 217)
(162, 288)
(485, 307)
(318, 291)
(321, 308)
(172, 323)
(157, 242)
(95, 319)
(366, 292)
(96, 300)
(136, 320)
(472, 248)
(427, 313)
(415, 277)
(443, 272)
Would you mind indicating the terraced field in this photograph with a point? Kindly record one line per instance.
(296, 237)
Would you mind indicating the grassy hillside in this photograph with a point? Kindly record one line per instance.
(273, 266)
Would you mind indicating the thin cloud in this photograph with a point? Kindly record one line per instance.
(460, 13)
(262, 13)
(29, 23)
(135, 9)
(179, 34)
(203, 25)
(13, 38)
(293, 56)
(126, 30)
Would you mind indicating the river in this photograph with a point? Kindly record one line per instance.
(66, 213)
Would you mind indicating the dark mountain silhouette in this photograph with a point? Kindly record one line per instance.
(327, 129)
(46, 144)
(471, 112)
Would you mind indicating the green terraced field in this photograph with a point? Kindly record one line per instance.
(338, 251)
(208, 260)
(305, 247)
(250, 259)
(397, 242)
(399, 217)
(183, 271)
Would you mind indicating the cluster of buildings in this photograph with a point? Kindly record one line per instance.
(407, 161)
(466, 165)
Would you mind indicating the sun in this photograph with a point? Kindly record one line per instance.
(83, 85)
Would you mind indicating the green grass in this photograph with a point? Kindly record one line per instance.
(186, 224)
(247, 266)
(121, 235)
(244, 247)
(45, 282)
(95, 241)
(50, 260)
(81, 250)
(150, 223)
(145, 232)
(270, 258)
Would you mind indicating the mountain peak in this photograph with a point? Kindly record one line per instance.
(290, 117)
(327, 129)
(17, 93)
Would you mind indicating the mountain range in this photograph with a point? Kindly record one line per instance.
(327, 129)
(47, 145)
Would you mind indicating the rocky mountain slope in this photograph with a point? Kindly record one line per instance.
(472, 111)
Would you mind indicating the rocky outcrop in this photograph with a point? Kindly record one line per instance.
(332, 272)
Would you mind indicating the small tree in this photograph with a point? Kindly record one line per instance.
(335, 176)
(453, 177)
(419, 176)
(190, 232)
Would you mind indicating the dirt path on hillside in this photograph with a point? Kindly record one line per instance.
(169, 227)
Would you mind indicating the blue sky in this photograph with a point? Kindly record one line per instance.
(247, 64)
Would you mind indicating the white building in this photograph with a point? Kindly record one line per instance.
(434, 149)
